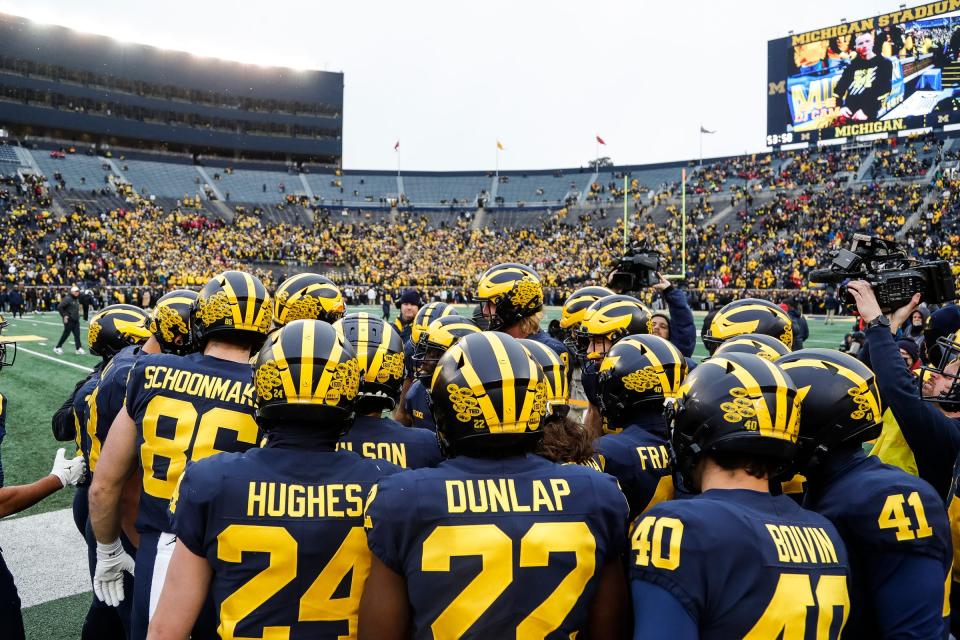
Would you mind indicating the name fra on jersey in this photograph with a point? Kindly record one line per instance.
(657, 457)
(198, 384)
(282, 500)
(499, 495)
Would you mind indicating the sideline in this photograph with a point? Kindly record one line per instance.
(49, 566)
(52, 359)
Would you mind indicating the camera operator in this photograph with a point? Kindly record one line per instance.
(676, 324)
(928, 417)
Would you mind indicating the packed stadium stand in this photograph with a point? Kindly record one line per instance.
(753, 222)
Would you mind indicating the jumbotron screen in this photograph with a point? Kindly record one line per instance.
(891, 72)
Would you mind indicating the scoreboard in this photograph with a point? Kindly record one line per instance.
(896, 71)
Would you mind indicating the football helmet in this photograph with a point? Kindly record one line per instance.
(233, 303)
(515, 292)
(427, 314)
(171, 319)
(750, 315)
(8, 350)
(612, 317)
(306, 375)
(574, 309)
(641, 370)
(442, 334)
(736, 403)
(758, 344)
(379, 352)
(947, 365)
(488, 396)
(307, 296)
(839, 401)
(556, 375)
(115, 327)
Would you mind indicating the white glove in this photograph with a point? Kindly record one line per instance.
(69, 471)
(112, 561)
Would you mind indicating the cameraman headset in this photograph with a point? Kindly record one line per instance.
(928, 416)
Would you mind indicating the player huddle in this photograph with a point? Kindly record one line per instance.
(245, 482)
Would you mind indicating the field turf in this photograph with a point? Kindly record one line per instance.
(40, 381)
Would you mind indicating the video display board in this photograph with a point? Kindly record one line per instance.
(891, 72)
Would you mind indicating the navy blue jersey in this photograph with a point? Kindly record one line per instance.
(282, 528)
(639, 459)
(416, 405)
(84, 415)
(185, 408)
(498, 548)
(389, 440)
(103, 403)
(744, 564)
(880, 510)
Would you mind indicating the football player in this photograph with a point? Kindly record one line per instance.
(749, 315)
(442, 334)
(177, 409)
(605, 322)
(511, 299)
(495, 542)
(307, 296)
(291, 511)
(571, 315)
(637, 375)
(735, 561)
(757, 344)
(893, 524)
(380, 356)
(112, 331)
(427, 314)
(169, 327)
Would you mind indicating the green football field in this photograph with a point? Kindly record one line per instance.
(38, 384)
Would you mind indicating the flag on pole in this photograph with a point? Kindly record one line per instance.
(499, 145)
(600, 140)
(705, 130)
(396, 147)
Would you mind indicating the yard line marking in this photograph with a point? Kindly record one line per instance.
(46, 357)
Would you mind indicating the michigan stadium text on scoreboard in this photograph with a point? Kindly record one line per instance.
(898, 71)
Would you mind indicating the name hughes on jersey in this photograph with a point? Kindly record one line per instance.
(282, 500)
(499, 495)
(198, 384)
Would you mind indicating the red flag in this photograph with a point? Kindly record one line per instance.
(600, 140)
(396, 147)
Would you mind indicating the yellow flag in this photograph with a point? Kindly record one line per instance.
(499, 145)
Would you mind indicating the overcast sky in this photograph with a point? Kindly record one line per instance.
(448, 78)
